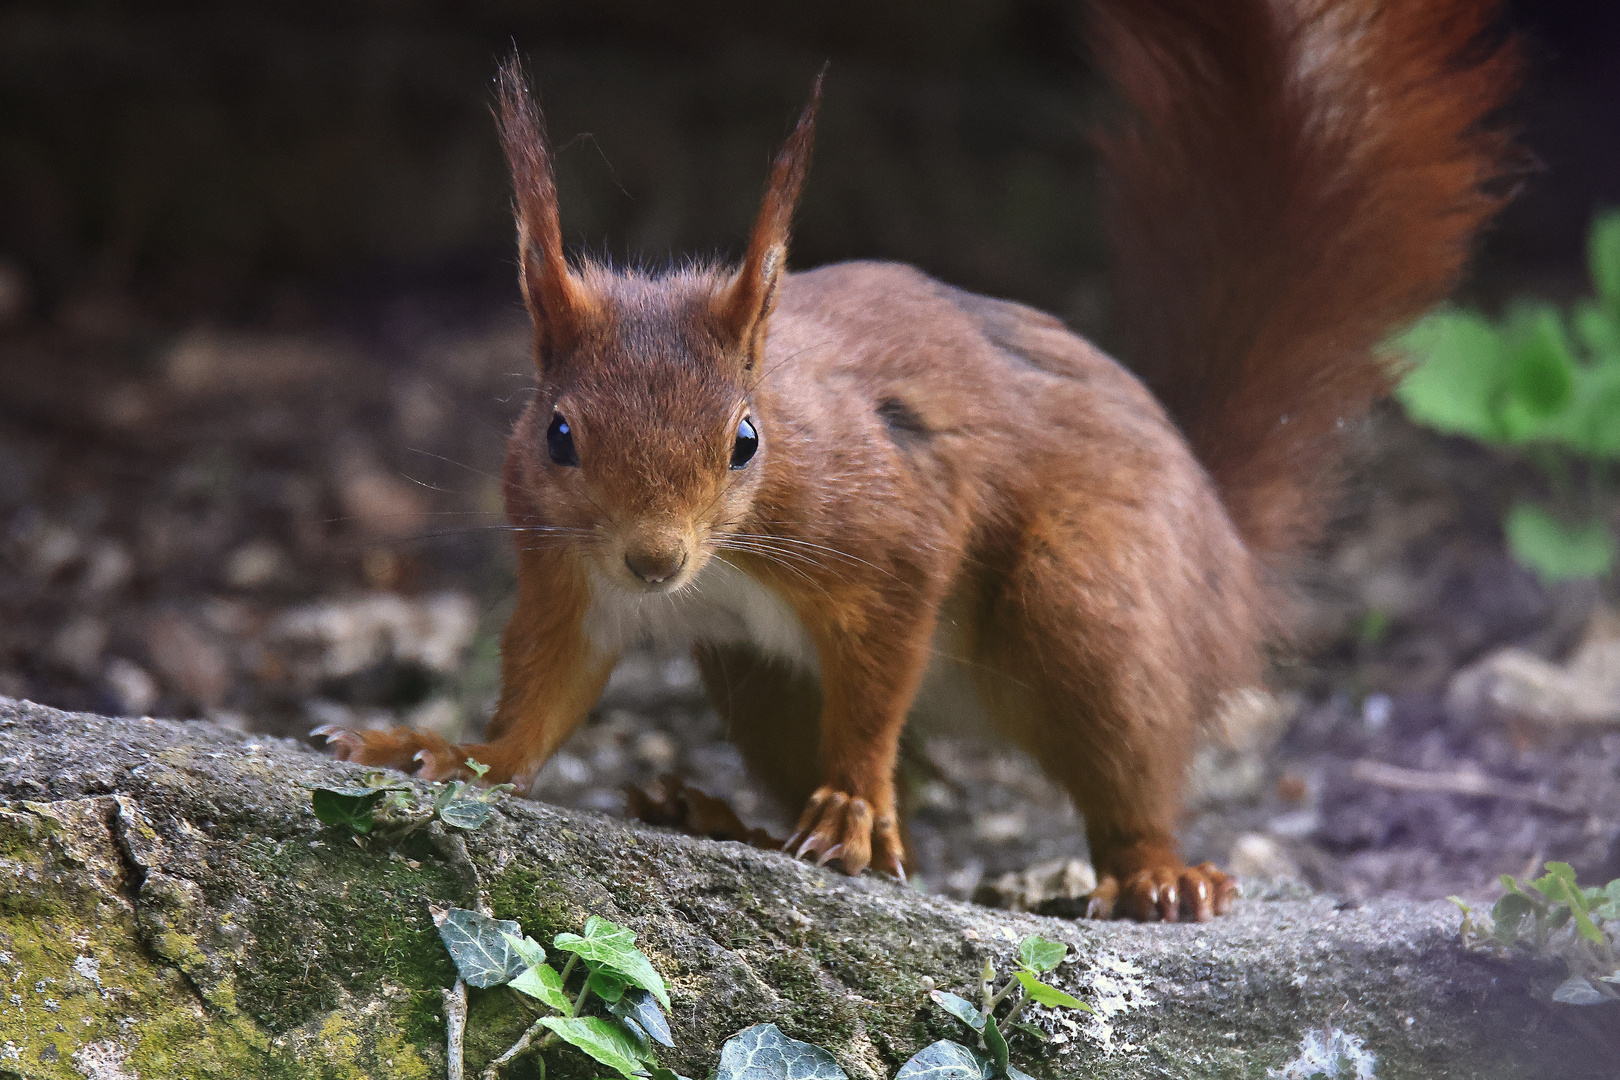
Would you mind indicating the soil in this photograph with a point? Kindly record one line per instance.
(300, 524)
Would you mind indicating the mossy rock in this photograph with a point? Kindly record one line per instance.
(171, 908)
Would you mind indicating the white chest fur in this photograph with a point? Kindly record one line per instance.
(722, 606)
(725, 606)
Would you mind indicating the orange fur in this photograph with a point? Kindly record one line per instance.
(955, 502)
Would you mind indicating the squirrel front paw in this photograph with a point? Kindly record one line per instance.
(839, 827)
(424, 754)
(1171, 892)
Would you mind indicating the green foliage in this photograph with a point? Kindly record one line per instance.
(485, 951)
(374, 801)
(1554, 916)
(1557, 551)
(490, 953)
(1544, 382)
(762, 1052)
(611, 949)
(350, 807)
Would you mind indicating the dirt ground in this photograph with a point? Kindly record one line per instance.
(299, 524)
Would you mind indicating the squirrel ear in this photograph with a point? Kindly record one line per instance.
(745, 305)
(556, 298)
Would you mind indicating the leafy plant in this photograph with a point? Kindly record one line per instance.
(374, 801)
(1545, 382)
(764, 1053)
(489, 953)
(1554, 916)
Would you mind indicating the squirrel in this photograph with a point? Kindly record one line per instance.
(865, 494)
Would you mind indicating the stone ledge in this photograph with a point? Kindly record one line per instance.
(170, 907)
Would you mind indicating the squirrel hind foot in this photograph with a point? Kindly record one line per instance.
(1168, 893)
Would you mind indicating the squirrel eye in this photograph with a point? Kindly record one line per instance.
(747, 443)
(560, 441)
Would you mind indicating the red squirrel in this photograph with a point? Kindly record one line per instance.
(866, 495)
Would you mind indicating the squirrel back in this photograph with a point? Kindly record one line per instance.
(1291, 182)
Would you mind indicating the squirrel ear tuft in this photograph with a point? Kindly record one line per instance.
(556, 298)
(745, 305)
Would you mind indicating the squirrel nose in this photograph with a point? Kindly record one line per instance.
(654, 567)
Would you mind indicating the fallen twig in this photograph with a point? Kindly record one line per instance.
(1468, 783)
(455, 1026)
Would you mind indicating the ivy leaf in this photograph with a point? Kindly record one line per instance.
(762, 1052)
(996, 1043)
(1575, 990)
(612, 946)
(959, 1007)
(1015, 1073)
(638, 1007)
(947, 1060)
(1050, 995)
(606, 984)
(1039, 954)
(604, 1040)
(543, 983)
(531, 950)
(1030, 1029)
(466, 813)
(349, 806)
(480, 946)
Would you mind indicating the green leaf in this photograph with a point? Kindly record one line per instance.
(543, 983)
(478, 768)
(1015, 1073)
(1508, 915)
(996, 1043)
(1599, 330)
(604, 1040)
(762, 1052)
(1541, 376)
(1559, 552)
(1458, 373)
(606, 984)
(466, 813)
(1039, 954)
(529, 949)
(1603, 257)
(1610, 908)
(947, 1060)
(1595, 428)
(1030, 1029)
(480, 946)
(959, 1007)
(1049, 995)
(350, 806)
(613, 946)
(638, 1007)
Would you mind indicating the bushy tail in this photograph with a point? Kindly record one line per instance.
(1292, 181)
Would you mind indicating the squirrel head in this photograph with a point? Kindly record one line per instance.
(641, 449)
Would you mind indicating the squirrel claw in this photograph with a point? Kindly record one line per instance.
(838, 827)
(1169, 893)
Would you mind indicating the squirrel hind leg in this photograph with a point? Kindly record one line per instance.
(1102, 680)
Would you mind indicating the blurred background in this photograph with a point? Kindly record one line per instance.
(260, 344)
